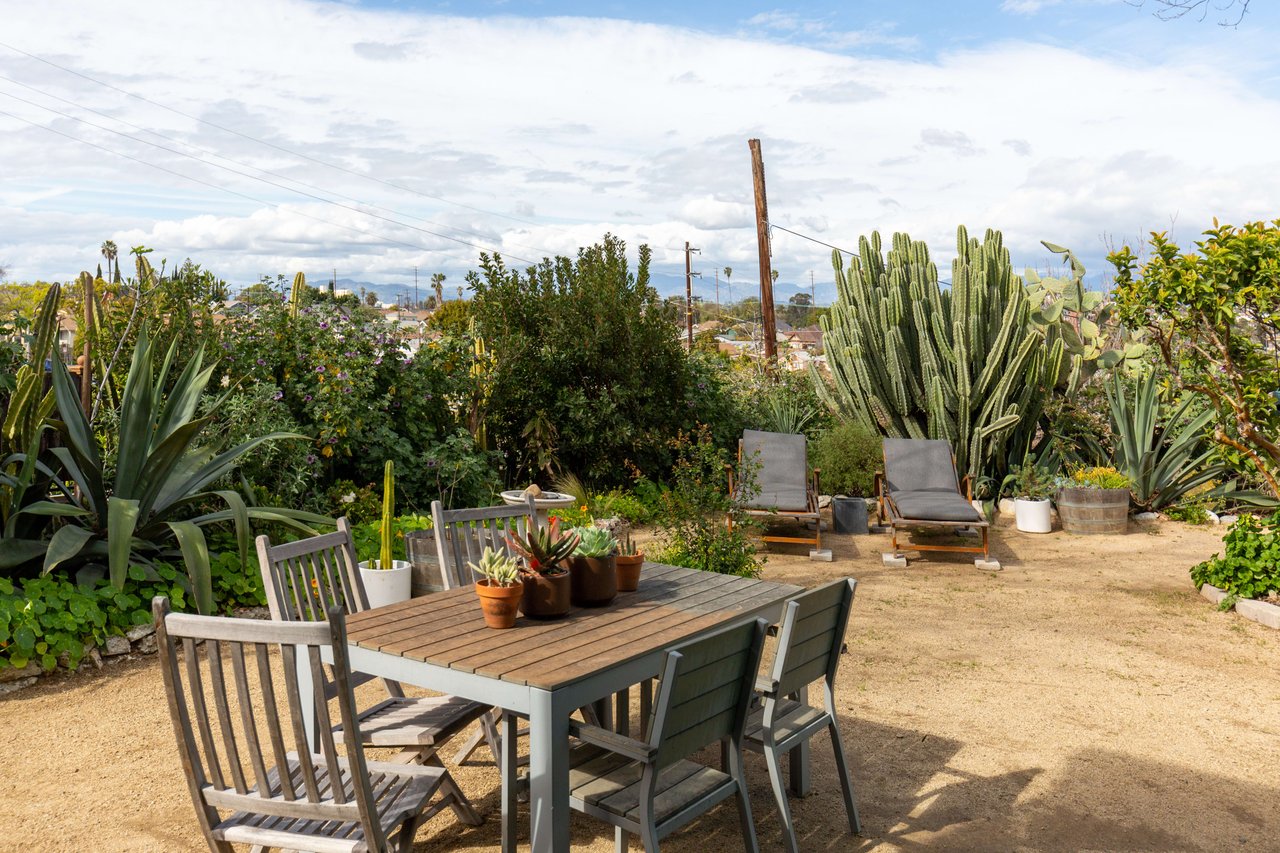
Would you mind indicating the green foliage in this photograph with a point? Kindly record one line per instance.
(155, 504)
(693, 512)
(497, 567)
(1214, 316)
(283, 473)
(576, 346)
(595, 542)
(913, 360)
(545, 548)
(780, 401)
(51, 620)
(1030, 482)
(1250, 564)
(1163, 453)
(1192, 512)
(367, 536)
(848, 456)
(451, 318)
(1097, 477)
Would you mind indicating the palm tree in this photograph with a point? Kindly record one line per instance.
(109, 252)
(728, 282)
(437, 281)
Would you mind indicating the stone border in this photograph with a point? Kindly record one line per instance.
(1255, 611)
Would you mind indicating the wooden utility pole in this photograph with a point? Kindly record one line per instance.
(762, 242)
(86, 372)
(688, 292)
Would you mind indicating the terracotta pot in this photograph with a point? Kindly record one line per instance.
(594, 580)
(499, 603)
(629, 571)
(546, 596)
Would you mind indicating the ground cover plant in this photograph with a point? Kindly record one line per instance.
(1249, 566)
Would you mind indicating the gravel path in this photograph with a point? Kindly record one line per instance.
(1085, 698)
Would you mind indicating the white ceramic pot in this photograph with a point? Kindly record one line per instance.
(1033, 516)
(387, 586)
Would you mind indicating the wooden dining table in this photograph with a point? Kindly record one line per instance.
(545, 669)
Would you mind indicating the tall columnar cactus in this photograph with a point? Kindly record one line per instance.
(912, 359)
(295, 300)
(388, 512)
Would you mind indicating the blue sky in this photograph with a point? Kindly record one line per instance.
(535, 127)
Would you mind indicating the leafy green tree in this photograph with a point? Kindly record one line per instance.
(584, 357)
(1214, 317)
(451, 318)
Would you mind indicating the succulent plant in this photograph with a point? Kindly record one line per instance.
(544, 549)
(496, 567)
(595, 542)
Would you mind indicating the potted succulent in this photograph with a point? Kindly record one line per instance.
(386, 580)
(594, 570)
(1032, 490)
(499, 588)
(630, 558)
(1094, 500)
(546, 580)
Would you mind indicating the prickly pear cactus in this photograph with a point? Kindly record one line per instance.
(912, 359)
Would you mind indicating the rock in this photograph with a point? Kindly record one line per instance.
(1228, 519)
(116, 646)
(987, 565)
(617, 526)
(1146, 517)
(13, 686)
(1213, 517)
(1006, 506)
(137, 632)
(147, 645)
(823, 554)
(93, 658)
(533, 490)
(894, 561)
(1259, 611)
(252, 613)
(824, 501)
(10, 674)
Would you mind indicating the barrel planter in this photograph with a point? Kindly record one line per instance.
(1094, 510)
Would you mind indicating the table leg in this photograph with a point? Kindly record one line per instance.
(548, 773)
(623, 715)
(510, 771)
(798, 762)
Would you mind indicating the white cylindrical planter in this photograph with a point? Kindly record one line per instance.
(1033, 516)
(387, 586)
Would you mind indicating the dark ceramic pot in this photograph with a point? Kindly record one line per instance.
(546, 596)
(595, 580)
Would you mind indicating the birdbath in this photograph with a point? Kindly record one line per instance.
(543, 503)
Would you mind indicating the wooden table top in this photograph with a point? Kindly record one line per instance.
(447, 628)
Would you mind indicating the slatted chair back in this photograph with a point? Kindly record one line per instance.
(812, 633)
(304, 579)
(463, 534)
(241, 735)
(705, 691)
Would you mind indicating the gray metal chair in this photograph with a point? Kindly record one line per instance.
(809, 643)
(303, 580)
(785, 487)
(649, 788)
(919, 488)
(307, 798)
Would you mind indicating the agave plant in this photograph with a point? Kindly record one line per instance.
(158, 501)
(1164, 454)
(595, 542)
(544, 549)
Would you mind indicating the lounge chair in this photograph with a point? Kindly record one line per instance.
(919, 488)
(785, 487)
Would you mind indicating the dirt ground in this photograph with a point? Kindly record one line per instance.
(1085, 698)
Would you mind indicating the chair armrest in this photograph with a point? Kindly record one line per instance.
(966, 485)
(817, 482)
(766, 686)
(612, 741)
(729, 471)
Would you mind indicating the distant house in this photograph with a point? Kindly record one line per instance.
(808, 339)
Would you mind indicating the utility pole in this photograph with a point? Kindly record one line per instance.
(762, 242)
(415, 287)
(717, 294)
(813, 297)
(86, 371)
(688, 291)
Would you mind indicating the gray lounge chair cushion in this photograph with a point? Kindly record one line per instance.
(935, 505)
(919, 464)
(783, 472)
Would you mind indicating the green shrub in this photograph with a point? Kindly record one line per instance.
(1250, 564)
(1190, 513)
(848, 455)
(368, 539)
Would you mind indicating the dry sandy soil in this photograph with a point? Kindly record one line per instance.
(1085, 698)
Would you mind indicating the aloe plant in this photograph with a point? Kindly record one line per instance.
(595, 542)
(496, 567)
(543, 549)
(157, 504)
(1164, 453)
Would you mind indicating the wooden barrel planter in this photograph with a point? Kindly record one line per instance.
(1094, 510)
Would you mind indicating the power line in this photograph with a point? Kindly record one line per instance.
(811, 239)
(213, 153)
(219, 187)
(273, 145)
(256, 178)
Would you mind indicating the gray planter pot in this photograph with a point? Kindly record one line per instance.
(849, 515)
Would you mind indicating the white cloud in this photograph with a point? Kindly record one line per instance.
(586, 126)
